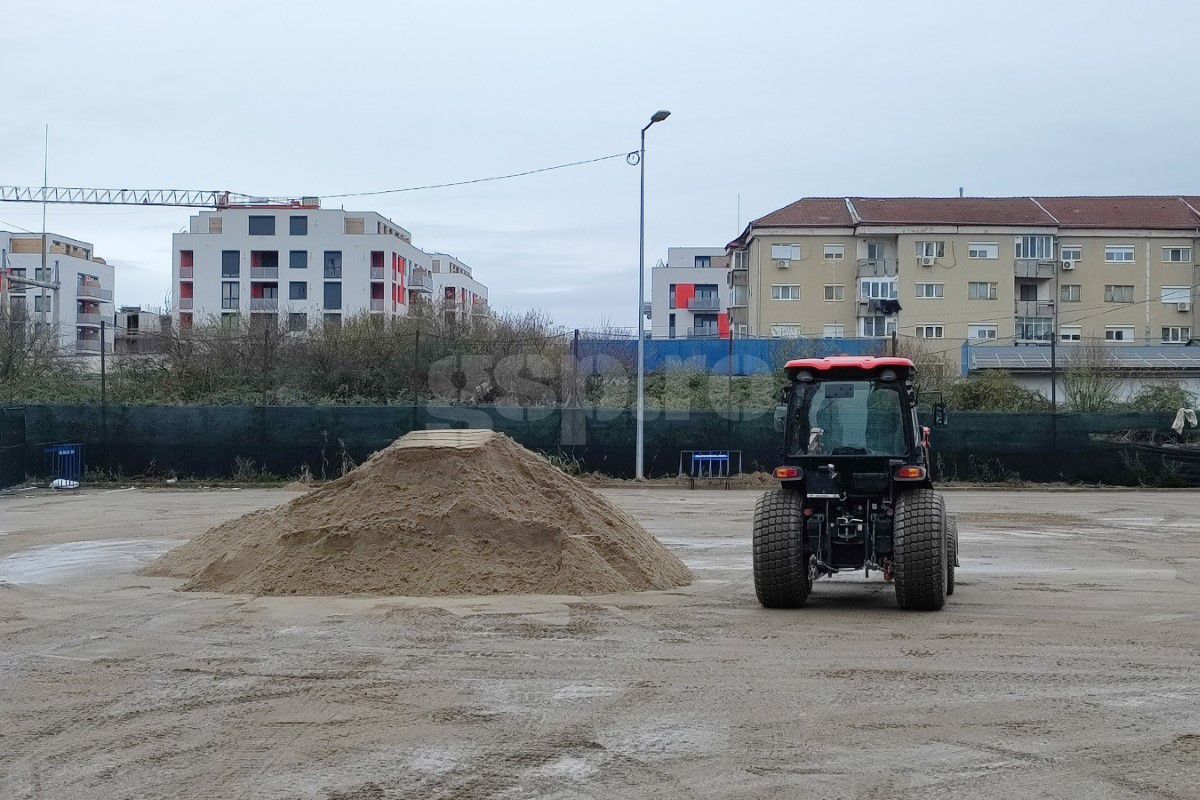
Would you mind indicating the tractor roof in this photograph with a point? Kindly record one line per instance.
(847, 364)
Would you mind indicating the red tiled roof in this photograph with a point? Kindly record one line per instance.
(1146, 212)
(1121, 212)
(950, 211)
(809, 212)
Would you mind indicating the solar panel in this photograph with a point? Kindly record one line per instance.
(1121, 356)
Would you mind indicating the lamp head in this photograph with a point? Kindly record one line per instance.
(659, 116)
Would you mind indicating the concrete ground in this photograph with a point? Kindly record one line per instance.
(1067, 665)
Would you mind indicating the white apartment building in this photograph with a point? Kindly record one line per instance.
(295, 264)
(690, 296)
(80, 295)
(462, 296)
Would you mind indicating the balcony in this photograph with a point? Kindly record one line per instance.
(876, 267)
(703, 332)
(229, 304)
(88, 346)
(85, 318)
(1034, 308)
(1033, 268)
(186, 272)
(333, 271)
(264, 273)
(376, 273)
(420, 281)
(261, 304)
(93, 291)
(185, 304)
(704, 303)
(738, 298)
(377, 304)
(737, 277)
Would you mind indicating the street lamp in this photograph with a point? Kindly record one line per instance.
(658, 116)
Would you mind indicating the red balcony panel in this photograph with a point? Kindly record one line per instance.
(186, 258)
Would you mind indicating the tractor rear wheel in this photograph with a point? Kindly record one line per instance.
(780, 568)
(920, 550)
(951, 551)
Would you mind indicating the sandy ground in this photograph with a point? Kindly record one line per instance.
(1067, 665)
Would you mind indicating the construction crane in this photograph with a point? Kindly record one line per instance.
(187, 198)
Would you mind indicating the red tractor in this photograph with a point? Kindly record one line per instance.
(855, 490)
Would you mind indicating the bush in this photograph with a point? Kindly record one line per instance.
(1162, 397)
(994, 390)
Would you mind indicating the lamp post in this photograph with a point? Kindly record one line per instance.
(640, 473)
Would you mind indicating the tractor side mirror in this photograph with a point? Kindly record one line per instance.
(780, 418)
(939, 415)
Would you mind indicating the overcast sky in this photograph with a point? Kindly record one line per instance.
(769, 100)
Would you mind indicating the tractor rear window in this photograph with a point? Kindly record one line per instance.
(849, 418)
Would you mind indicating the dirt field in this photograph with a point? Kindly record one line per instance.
(1067, 665)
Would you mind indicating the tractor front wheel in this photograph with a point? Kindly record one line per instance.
(780, 568)
(920, 550)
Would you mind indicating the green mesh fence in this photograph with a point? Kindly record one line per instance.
(216, 441)
(12, 446)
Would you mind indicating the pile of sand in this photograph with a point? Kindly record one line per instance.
(435, 513)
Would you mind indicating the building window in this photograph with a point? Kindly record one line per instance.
(1118, 333)
(41, 302)
(785, 292)
(1176, 334)
(834, 252)
(231, 263)
(1118, 254)
(703, 262)
(787, 331)
(187, 258)
(670, 326)
(298, 226)
(1070, 292)
(981, 290)
(230, 292)
(834, 330)
(298, 259)
(262, 226)
(333, 296)
(981, 332)
(297, 290)
(877, 325)
(354, 225)
(877, 289)
(333, 320)
(929, 331)
(1177, 254)
(1035, 246)
(1176, 294)
(297, 321)
(1071, 252)
(671, 297)
(930, 291)
(333, 263)
(1070, 333)
(835, 292)
(185, 320)
(1118, 293)
(786, 252)
(930, 249)
(1035, 329)
(988, 250)
(214, 225)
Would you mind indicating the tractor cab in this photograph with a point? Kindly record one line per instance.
(855, 485)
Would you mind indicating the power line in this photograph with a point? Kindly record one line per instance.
(474, 180)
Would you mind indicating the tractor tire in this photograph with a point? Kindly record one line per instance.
(920, 550)
(780, 565)
(951, 551)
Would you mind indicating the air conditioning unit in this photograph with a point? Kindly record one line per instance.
(926, 261)
(782, 263)
(1184, 305)
(1068, 263)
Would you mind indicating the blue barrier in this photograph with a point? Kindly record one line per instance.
(750, 356)
(65, 462)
